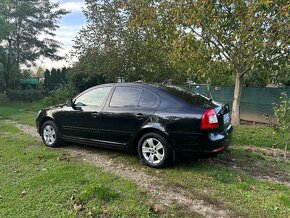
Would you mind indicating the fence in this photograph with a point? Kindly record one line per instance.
(256, 103)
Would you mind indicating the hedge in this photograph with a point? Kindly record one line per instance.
(24, 95)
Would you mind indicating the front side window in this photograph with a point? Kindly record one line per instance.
(94, 97)
(125, 97)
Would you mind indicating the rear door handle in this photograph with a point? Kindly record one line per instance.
(140, 116)
(95, 114)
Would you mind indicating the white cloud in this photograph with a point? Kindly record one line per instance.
(65, 34)
(72, 6)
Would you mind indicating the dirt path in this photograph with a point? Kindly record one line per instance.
(159, 194)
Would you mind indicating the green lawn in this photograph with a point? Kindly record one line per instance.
(261, 136)
(24, 113)
(218, 182)
(230, 181)
(36, 182)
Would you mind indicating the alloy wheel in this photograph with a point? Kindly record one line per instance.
(49, 135)
(153, 150)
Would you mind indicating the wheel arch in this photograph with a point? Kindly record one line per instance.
(149, 129)
(42, 122)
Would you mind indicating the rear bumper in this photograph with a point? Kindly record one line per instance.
(218, 142)
(205, 143)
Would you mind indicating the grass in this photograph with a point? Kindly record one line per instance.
(221, 184)
(216, 181)
(261, 136)
(24, 113)
(36, 182)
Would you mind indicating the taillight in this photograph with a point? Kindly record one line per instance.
(209, 120)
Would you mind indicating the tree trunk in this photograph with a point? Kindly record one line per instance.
(236, 101)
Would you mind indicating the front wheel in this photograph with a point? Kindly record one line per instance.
(50, 134)
(154, 151)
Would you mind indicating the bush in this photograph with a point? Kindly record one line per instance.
(62, 94)
(24, 95)
(3, 98)
(282, 115)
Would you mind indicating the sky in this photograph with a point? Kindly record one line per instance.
(69, 25)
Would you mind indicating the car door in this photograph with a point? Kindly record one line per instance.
(82, 121)
(128, 109)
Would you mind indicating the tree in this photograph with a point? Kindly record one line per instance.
(245, 36)
(23, 22)
(64, 75)
(26, 74)
(248, 35)
(46, 78)
(53, 76)
(39, 72)
(109, 46)
(282, 115)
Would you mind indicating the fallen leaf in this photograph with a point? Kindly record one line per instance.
(155, 208)
(255, 188)
(105, 211)
(78, 206)
(63, 157)
(249, 149)
(273, 189)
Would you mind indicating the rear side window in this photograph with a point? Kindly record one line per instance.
(125, 97)
(148, 99)
(93, 97)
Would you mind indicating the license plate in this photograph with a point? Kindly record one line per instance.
(226, 118)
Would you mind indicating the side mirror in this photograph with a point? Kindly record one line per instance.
(69, 103)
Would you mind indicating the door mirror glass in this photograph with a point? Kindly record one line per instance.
(69, 103)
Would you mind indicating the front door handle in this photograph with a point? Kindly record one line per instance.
(140, 116)
(95, 114)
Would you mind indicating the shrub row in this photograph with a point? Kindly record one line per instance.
(24, 95)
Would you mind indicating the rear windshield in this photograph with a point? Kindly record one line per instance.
(191, 98)
(180, 92)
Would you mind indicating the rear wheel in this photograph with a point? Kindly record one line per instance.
(50, 134)
(154, 151)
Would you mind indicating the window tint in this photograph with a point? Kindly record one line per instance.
(125, 97)
(148, 99)
(94, 97)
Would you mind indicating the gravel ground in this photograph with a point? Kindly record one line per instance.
(160, 195)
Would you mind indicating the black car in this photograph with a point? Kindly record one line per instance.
(155, 120)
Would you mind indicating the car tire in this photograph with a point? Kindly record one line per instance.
(50, 134)
(155, 151)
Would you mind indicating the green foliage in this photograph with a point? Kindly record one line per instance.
(46, 77)
(54, 78)
(22, 22)
(117, 48)
(60, 95)
(82, 81)
(3, 98)
(26, 74)
(282, 115)
(29, 95)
